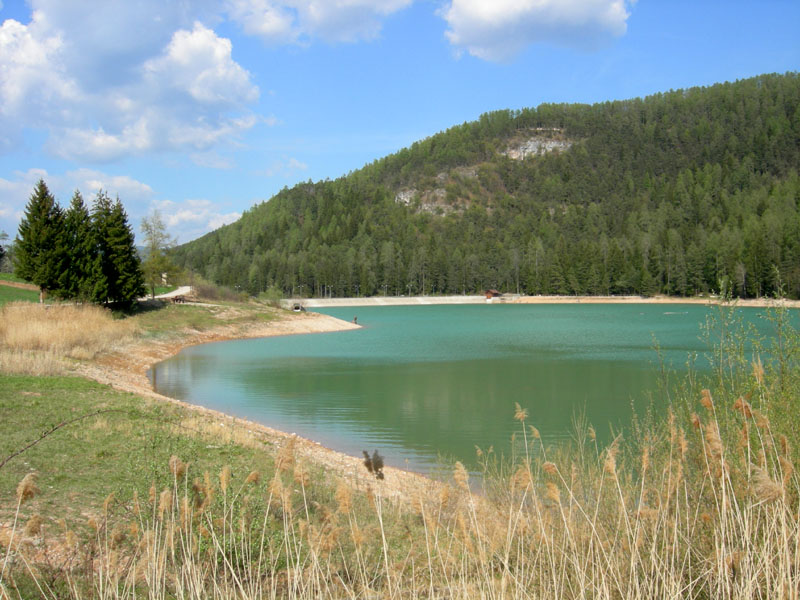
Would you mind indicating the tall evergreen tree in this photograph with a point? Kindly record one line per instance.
(40, 242)
(131, 281)
(103, 274)
(76, 279)
(117, 269)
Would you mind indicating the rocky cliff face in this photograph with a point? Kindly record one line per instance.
(454, 190)
(536, 143)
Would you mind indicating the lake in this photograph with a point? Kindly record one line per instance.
(421, 383)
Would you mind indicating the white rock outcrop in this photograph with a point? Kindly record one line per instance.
(536, 146)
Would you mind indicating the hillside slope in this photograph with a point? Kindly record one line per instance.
(684, 192)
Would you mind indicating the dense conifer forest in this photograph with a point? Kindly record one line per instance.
(685, 192)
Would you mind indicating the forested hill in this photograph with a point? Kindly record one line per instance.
(681, 193)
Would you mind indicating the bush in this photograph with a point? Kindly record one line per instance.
(272, 296)
(205, 290)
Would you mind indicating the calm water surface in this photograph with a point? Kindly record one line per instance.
(425, 382)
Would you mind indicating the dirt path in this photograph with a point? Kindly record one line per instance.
(126, 369)
(19, 285)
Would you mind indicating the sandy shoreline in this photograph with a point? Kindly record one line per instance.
(518, 299)
(746, 302)
(126, 369)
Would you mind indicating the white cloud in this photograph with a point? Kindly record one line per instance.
(112, 79)
(199, 63)
(32, 83)
(189, 219)
(135, 195)
(264, 18)
(346, 20)
(284, 167)
(212, 160)
(130, 191)
(106, 80)
(15, 194)
(500, 29)
(282, 21)
(218, 220)
(185, 219)
(294, 164)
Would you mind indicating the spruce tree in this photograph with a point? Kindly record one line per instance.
(130, 284)
(77, 277)
(40, 242)
(117, 272)
(102, 273)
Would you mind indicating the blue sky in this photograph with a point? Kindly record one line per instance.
(200, 109)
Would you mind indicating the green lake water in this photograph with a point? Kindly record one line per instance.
(420, 383)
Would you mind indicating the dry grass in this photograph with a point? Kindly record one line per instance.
(223, 432)
(36, 338)
(40, 364)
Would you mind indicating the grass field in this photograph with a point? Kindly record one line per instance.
(123, 449)
(12, 294)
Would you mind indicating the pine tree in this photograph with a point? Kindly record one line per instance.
(40, 242)
(77, 277)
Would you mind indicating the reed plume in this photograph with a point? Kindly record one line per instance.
(285, 459)
(177, 467)
(766, 490)
(550, 468)
(34, 526)
(164, 502)
(706, 400)
(553, 493)
(344, 498)
(225, 479)
(758, 370)
(743, 406)
(26, 489)
(461, 476)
